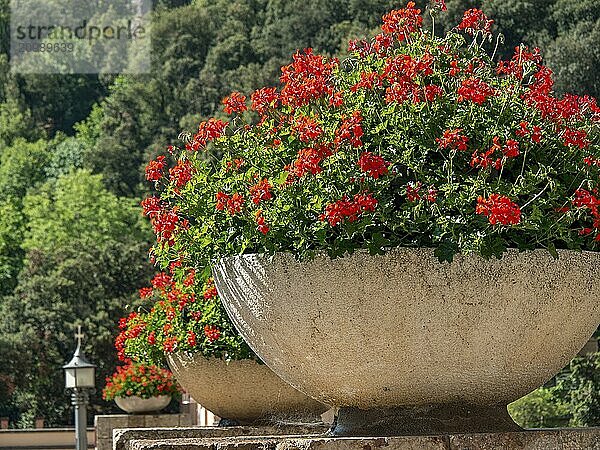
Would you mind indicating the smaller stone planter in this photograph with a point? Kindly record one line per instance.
(242, 391)
(139, 405)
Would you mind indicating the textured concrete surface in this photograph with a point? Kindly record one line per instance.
(422, 420)
(105, 424)
(137, 405)
(563, 439)
(403, 329)
(123, 438)
(244, 391)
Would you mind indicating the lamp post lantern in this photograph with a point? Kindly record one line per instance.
(80, 377)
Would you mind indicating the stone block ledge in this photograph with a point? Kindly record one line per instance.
(123, 438)
(547, 439)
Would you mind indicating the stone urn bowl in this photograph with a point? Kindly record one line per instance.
(404, 344)
(242, 392)
(138, 405)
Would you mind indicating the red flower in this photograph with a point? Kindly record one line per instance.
(261, 224)
(191, 338)
(207, 131)
(475, 20)
(146, 292)
(484, 160)
(439, 4)
(348, 210)
(235, 103)
(368, 80)
(170, 345)
(154, 169)
(515, 65)
(261, 191)
(383, 42)
(412, 191)
(210, 291)
(373, 164)
(181, 173)
(161, 281)
(337, 99)
(235, 204)
(350, 131)
(535, 133)
(222, 200)
(212, 333)
(151, 338)
(190, 278)
(453, 139)
(475, 90)
(263, 99)
(151, 206)
(402, 91)
(402, 22)
(576, 138)
(591, 161)
(499, 209)
(309, 160)
(164, 224)
(307, 129)
(431, 194)
(511, 149)
(432, 91)
(306, 79)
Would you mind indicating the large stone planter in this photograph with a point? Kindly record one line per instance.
(242, 391)
(139, 405)
(404, 344)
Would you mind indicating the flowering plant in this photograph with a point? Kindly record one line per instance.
(141, 380)
(180, 313)
(414, 140)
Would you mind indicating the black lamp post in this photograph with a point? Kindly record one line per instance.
(80, 377)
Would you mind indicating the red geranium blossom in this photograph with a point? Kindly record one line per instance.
(212, 333)
(350, 131)
(349, 209)
(402, 22)
(475, 20)
(453, 139)
(499, 209)
(235, 103)
(373, 164)
(154, 169)
(475, 90)
(261, 191)
(263, 99)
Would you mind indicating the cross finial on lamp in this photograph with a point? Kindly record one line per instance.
(79, 336)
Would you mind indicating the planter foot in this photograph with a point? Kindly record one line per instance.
(224, 422)
(422, 420)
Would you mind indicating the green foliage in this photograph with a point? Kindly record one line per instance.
(86, 256)
(21, 167)
(67, 155)
(542, 408)
(581, 387)
(574, 400)
(15, 122)
(575, 57)
(77, 205)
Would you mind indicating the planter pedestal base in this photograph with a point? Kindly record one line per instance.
(248, 438)
(422, 420)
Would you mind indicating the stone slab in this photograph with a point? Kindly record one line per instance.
(551, 439)
(105, 424)
(123, 438)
